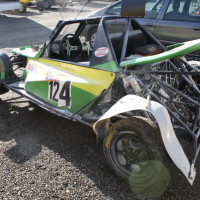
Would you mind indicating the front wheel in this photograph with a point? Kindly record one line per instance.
(3, 89)
(133, 150)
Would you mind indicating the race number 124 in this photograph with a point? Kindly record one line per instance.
(60, 92)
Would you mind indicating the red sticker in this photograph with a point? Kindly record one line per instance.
(101, 52)
(2, 68)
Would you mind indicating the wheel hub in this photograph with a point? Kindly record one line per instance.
(130, 153)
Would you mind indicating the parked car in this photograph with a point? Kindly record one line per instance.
(170, 21)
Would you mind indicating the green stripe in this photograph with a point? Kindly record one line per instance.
(2, 73)
(79, 97)
(28, 52)
(110, 66)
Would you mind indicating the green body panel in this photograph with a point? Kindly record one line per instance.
(110, 66)
(28, 51)
(39, 89)
(2, 71)
(79, 97)
(174, 51)
(46, 78)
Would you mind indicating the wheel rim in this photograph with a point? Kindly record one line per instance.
(40, 6)
(133, 152)
(130, 155)
(92, 39)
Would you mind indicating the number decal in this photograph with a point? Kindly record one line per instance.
(60, 92)
(55, 85)
(50, 90)
(65, 93)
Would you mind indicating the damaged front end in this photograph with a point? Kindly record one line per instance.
(167, 92)
(175, 84)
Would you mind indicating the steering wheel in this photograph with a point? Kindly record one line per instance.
(71, 47)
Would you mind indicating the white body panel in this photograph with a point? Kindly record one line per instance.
(172, 145)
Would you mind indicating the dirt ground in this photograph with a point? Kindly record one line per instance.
(43, 156)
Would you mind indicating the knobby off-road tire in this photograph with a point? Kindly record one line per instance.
(3, 89)
(134, 151)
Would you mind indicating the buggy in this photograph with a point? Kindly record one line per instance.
(141, 98)
(26, 3)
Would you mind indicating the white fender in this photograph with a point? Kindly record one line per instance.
(172, 145)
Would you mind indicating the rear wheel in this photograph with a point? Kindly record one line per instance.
(22, 8)
(40, 5)
(134, 151)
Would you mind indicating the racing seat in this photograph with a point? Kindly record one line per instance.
(148, 50)
(136, 38)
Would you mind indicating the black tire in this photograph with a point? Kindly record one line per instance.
(92, 37)
(3, 89)
(40, 5)
(47, 4)
(134, 151)
(23, 8)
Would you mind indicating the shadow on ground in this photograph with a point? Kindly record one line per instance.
(16, 32)
(33, 128)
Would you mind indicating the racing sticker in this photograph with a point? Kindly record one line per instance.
(60, 92)
(101, 52)
(35, 72)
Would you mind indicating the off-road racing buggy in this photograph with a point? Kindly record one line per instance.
(141, 98)
(26, 3)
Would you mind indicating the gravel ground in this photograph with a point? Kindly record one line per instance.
(43, 156)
